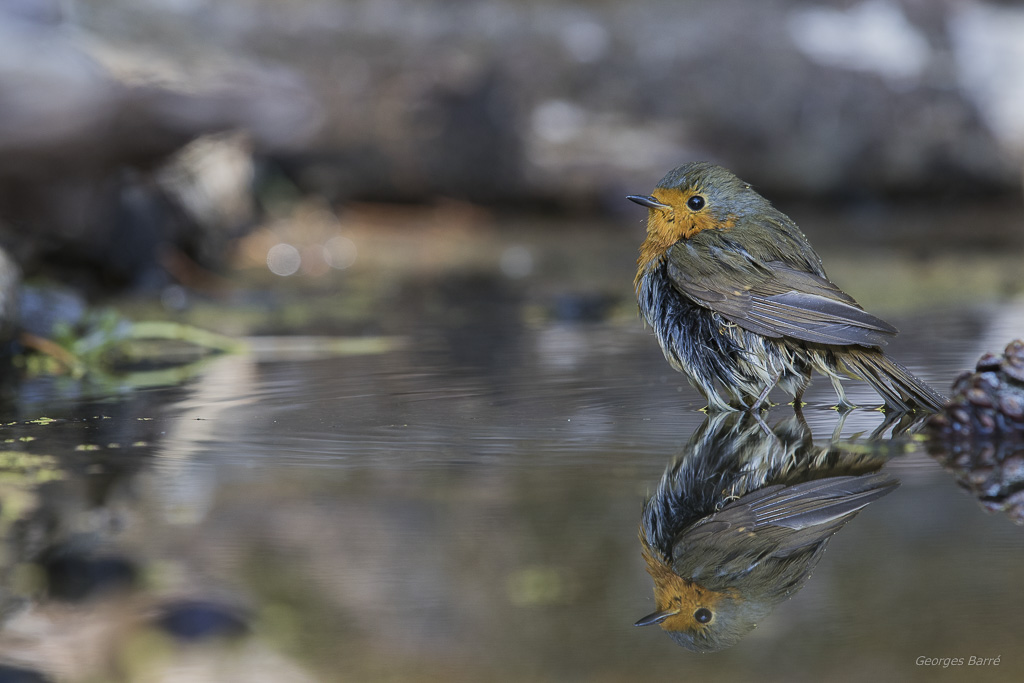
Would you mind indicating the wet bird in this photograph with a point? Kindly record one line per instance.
(738, 524)
(740, 301)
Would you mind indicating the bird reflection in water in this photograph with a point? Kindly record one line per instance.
(741, 518)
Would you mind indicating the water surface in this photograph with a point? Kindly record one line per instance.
(463, 506)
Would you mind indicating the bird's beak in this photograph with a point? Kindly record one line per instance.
(656, 617)
(649, 202)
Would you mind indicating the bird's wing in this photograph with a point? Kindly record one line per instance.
(779, 520)
(774, 299)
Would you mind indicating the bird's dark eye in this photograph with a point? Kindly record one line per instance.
(703, 615)
(696, 202)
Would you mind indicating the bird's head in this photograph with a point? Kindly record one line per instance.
(692, 199)
(699, 618)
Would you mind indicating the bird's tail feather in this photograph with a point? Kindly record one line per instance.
(897, 385)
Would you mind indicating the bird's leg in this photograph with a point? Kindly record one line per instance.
(899, 420)
(802, 421)
(798, 392)
(843, 405)
(764, 427)
(798, 402)
(764, 394)
(838, 431)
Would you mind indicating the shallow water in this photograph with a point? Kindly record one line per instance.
(463, 506)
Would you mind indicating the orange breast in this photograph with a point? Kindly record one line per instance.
(667, 226)
(672, 591)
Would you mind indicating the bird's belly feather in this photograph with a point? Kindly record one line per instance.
(708, 349)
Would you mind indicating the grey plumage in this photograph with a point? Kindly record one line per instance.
(740, 301)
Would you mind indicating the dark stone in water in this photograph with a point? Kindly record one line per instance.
(989, 361)
(196, 620)
(582, 308)
(1013, 360)
(979, 436)
(13, 674)
(73, 576)
(987, 402)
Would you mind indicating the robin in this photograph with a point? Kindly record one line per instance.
(740, 301)
(738, 524)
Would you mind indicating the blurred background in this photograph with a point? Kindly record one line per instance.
(133, 132)
(424, 454)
